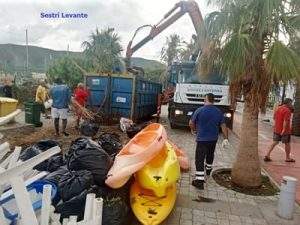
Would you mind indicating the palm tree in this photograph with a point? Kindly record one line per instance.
(188, 50)
(295, 44)
(171, 51)
(296, 116)
(244, 41)
(103, 50)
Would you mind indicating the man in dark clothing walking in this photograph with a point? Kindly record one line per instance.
(206, 121)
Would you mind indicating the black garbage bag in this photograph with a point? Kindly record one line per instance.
(89, 128)
(135, 128)
(115, 211)
(55, 176)
(111, 143)
(88, 155)
(73, 183)
(116, 206)
(38, 148)
(55, 162)
(75, 206)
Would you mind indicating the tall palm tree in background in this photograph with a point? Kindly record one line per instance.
(188, 50)
(243, 40)
(103, 50)
(171, 51)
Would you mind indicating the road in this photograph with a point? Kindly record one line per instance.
(278, 167)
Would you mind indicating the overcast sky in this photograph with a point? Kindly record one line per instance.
(123, 15)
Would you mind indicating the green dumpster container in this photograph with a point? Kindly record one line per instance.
(33, 113)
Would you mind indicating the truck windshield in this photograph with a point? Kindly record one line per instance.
(188, 75)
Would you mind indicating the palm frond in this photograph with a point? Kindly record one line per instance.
(282, 62)
(103, 49)
(225, 4)
(209, 59)
(236, 55)
(216, 24)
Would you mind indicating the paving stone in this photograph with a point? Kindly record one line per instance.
(259, 221)
(186, 210)
(269, 214)
(246, 219)
(221, 215)
(223, 222)
(234, 218)
(197, 212)
(186, 222)
(201, 223)
(183, 200)
(173, 220)
(200, 219)
(217, 206)
(243, 209)
(235, 223)
(210, 214)
(211, 220)
(186, 216)
(185, 191)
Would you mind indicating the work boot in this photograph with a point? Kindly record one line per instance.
(198, 184)
(208, 172)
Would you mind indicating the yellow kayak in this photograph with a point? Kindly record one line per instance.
(161, 172)
(149, 209)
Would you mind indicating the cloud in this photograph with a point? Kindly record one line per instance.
(124, 15)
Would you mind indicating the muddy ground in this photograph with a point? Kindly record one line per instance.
(26, 138)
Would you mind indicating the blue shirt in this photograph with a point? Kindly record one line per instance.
(61, 96)
(207, 120)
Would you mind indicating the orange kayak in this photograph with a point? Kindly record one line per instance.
(182, 157)
(136, 154)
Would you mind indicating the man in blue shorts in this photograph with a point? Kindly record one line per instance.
(61, 96)
(206, 121)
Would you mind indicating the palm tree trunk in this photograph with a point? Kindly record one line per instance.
(296, 116)
(246, 170)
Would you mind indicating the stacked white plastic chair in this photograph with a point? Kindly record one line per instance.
(12, 172)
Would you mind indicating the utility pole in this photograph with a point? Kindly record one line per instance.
(45, 63)
(68, 50)
(26, 51)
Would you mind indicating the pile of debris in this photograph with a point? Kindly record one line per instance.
(83, 170)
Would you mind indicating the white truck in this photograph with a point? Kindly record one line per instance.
(190, 90)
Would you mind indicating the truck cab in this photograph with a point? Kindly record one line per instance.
(190, 91)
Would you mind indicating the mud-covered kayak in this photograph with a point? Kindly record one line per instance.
(136, 154)
(161, 172)
(148, 208)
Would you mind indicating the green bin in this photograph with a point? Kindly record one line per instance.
(33, 113)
